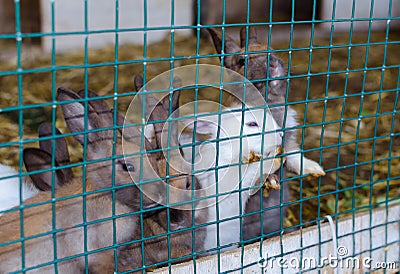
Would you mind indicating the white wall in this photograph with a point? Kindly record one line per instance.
(69, 16)
(362, 10)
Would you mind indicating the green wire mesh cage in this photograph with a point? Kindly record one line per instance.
(94, 180)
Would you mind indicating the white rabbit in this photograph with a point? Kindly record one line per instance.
(274, 91)
(229, 172)
(10, 188)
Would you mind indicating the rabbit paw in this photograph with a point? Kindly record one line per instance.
(313, 168)
(271, 182)
(309, 166)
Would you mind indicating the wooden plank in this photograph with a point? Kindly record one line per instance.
(368, 237)
(7, 16)
(29, 17)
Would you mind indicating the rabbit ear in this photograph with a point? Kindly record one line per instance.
(98, 104)
(101, 107)
(106, 114)
(202, 126)
(138, 82)
(229, 46)
(150, 145)
(152, 102)
(161, 111)
(176, 84)
(36, 159)
(75, 117)
(120, 118)
(252, 37)
(62, 153)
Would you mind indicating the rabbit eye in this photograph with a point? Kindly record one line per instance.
(241, 61)
(128, 167)
(252, 124)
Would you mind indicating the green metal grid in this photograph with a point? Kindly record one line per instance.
(20, 71)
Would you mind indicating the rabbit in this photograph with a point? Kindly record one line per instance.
(67, 219)
(257, 69)
(230, 122)
(155, 222)
(180, 242)
(33, 184)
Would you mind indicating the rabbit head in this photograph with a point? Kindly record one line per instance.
(153, 169)
(102, 145)
(260, 65)
(240, 132)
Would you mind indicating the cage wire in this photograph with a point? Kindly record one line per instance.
(343, 85)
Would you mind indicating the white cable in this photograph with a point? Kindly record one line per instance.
(334, 240)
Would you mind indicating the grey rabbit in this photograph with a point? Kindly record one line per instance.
(65, 214)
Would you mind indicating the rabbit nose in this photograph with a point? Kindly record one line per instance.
(191, 181)
(188, 182)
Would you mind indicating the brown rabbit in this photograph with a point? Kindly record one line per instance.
(257, 68)
(74, 224)
(180, 243)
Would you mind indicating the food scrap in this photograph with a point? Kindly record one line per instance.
(253, 158)
(271, 182)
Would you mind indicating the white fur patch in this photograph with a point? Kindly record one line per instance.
(9, 196)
